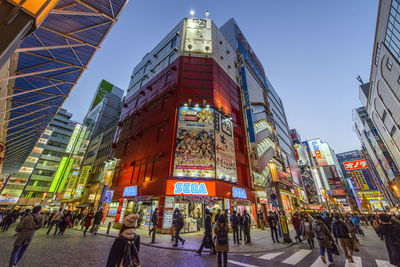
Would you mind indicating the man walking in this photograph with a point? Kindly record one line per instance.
(25, 232)
(97, 221)
(246, 225)
(179, 222)
(260, 218)
(296, 224)
(241, 232)
(356, 222)
(56, 221)
(341, 232)
(207, 239)
(235, 227)
(154, 220)
(273, 225)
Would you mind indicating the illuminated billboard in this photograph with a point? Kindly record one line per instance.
(73, 138)
(355, 165)
(198, 37)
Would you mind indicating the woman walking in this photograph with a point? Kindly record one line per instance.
(125, 250)
(88, 221)
(222, 244)
(25, 232)
(324, 237)
(307, 232)
(65, 221)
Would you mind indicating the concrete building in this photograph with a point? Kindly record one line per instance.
(383, 100)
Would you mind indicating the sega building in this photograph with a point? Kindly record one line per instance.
(181, 139)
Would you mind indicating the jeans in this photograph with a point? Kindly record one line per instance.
(235, 235)
(51, 226)
(203, 243)
(298, 234)
(225, 253)
(359, 230)
(17, 253)
(177, 237)
(273, 230)
(329, 251)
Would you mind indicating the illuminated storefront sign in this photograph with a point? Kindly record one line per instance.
(190, 188)
(130, 191)
(92, 197)
(355, 165)
(321, 160)
(82, 180)
(9, 199)
(239, 193)
(73, 138)
(108, 196)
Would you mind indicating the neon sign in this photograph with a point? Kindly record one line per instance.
(190, 188)
(239, 193)
(130, 191)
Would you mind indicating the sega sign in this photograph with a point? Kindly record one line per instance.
(130, 191)
(190, 188)
(239, 193)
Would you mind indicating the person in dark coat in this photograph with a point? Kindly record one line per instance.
(235, 227)
(65, 221)
(125, 249)
(179, 222)
(221, 247)
(246, 225)
(296, 221)
(273, 226)
(341, 232)
(154, 220)
(26, 229)
(97, 221)
(391, 234)
(240, 217)
(88, 221)
(8, 220)
(207, 239)
(324, 237)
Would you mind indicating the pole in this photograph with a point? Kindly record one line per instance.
(282, 216)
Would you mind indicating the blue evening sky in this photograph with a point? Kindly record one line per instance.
(311, 51)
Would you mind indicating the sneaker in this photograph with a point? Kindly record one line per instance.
(323, 259)
(183, 242)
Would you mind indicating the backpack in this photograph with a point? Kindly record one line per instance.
(222, 235)
(129, 260)
(319, 231)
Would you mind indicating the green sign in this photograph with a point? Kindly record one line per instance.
(59, 172)
(104, 88)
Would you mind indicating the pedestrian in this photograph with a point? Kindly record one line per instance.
(56, 221)
(391, 234)
(198, 219)
(65, 222)
(217, 216)
(141, 214)
(46, 218)
(341, 232)
(222, 245)
(356, 222)
(279, 225)
(207, 239)
(25, 231)
(260, 218)
(50, 218)
(246, 225)
(178, 223)
(324, 238)
(8, 220)
(307, 231)
(172, 230)
(296, 221)
(154, 220)
(273, 226)
(78, 220)
(98, 217)
(328, 221)
(88, 221)
(125, 249)
(241, 231)
(235, 227)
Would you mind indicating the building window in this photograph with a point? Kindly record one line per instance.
(378, 53)
(384, 116)
(392, 131)
(173, 42)
(389, 64)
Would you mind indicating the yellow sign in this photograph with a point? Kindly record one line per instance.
(284, 225)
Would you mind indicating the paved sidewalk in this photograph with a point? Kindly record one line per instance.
(260, 241)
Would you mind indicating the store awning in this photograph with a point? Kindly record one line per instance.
(48, 64)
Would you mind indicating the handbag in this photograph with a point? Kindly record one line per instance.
(335, 249)
(129, 260)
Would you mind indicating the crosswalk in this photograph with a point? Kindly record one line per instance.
(302, 257)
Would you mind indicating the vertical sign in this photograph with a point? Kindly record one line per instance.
(224, 149)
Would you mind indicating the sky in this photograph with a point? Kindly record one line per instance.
(311, 51)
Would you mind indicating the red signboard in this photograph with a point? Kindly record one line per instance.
(355, 165)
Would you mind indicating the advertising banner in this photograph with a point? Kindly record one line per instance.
(355, 165)
(198, 37)
(82, 180)
(317, 153)
(360, 181)
(224, 149)
(204, 188)
(194, 150)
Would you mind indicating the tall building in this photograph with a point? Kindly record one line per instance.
(91, 146)
(383, 98)
(38, 177)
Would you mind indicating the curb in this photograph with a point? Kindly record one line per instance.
(194, 250)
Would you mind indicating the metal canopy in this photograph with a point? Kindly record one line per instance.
(49, 63)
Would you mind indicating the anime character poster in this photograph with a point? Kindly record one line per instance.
(194, 150)
(225, 149)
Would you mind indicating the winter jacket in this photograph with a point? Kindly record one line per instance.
(246, 221)
(339, 229)
(88, 220)
(207, 224)
(219, 247)
(323, 234)
(234, 222)
(118, 248)
(154, 218)
(296, 222)
(391, 235)
(57, 216)
(272, 221)
(355, 220)
(98, 217)
(27, 227)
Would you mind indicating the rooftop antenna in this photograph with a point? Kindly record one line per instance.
(359, 79)
(207, 14)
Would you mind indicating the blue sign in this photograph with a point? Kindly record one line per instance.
(108, 196)
(130, 191)
(189, 188)
(249, 114)
(239, 193)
